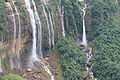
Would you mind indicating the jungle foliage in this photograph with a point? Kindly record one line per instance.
(72, 16)
(106, 43)
(2, 16)
(72, 59)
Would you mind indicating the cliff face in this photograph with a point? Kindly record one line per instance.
(16, 42)
(17, 34)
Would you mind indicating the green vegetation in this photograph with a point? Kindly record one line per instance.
(72, 59)
(101, 11)
(5, 64)
(11, 76)
(72, 17)
(2, 16)
(106, 43)
(20, 6)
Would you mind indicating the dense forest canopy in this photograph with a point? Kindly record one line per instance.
(106, 27)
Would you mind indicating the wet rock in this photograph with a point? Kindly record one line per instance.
(24, 75)
(85, 74)
(47, 59)
(29, 69)
(35, 76)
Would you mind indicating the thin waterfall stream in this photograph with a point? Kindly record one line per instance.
(84, 41)
(52, 28)
(19, 37)
(48, 25)
(11, 51)
(47, 70)
(1, 42)
(1, 65)
(61, 12)
(89, 63)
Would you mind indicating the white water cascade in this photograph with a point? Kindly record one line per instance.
(34, 56)
(88, 65)
(49, 35)
(84, 41)
(48, 25)
(38, 22)
(47, 70)
(61, 10)
(1, 65)
(52, 28)
(19, 36)
(11, 51)
(35, 17)
(89, 53)
(1, 42)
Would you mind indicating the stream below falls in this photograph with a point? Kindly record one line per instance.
(89, 61)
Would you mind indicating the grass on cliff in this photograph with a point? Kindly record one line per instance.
(11, 76)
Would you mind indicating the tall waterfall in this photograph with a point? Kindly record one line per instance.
(32, 20)
(19, 36)
(11, 51)
(38, 22)
(1, 42)
(89, 53)
(49, 35)
(84, 41)
(61, 10)
(52, 28)
(48, 25)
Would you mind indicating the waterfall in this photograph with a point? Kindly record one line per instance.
(81, 0)
(84, 41)
(34, 17)
(88, 49)
(32, 20)
(38, 22)
(52, 28)
(88, 66)
(61, 10)
(48, 25)
(19, 36)
(48, 71)
(0, 65)
(74, 22)
(13, 46)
